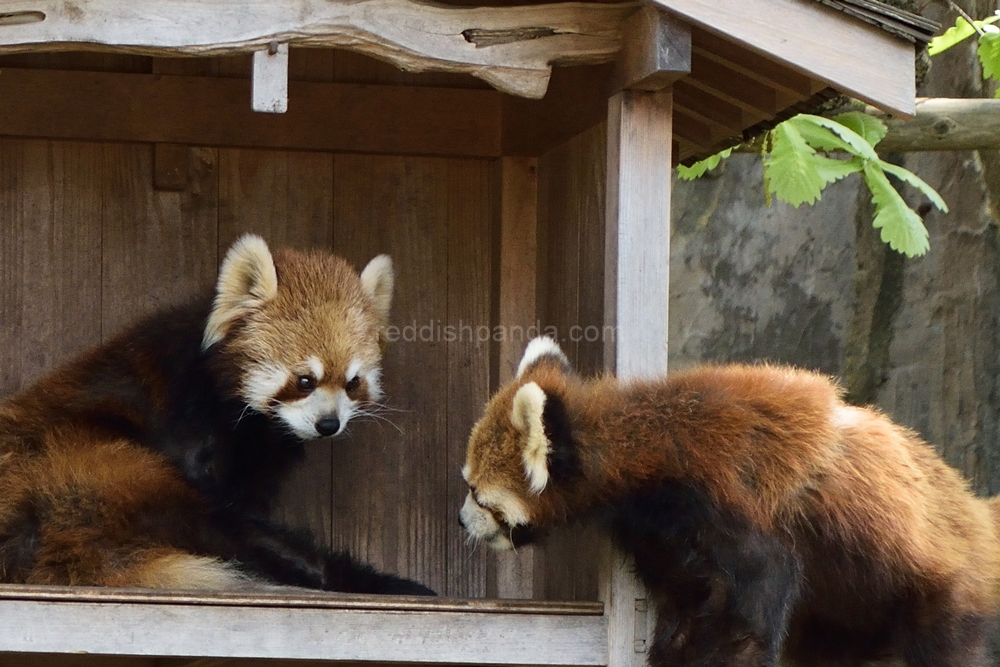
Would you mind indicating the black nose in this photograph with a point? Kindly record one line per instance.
(328, 426)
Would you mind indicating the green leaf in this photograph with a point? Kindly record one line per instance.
(952, 36)
(855, 143)
(871, 129)
(989, 54)
(794, 173)
(698, 169)
(908, 176)
(901, 227)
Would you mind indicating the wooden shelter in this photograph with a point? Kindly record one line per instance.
(521, 176)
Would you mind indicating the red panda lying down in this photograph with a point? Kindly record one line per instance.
(765, 515)
(151, 460)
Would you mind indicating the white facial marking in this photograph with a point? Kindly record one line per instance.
(315, 367)
(374, 380)
(481, 525)
(301, 415)
(465, 472)
(352, 370)
(261, 384)
(543, 346)
(514, 512)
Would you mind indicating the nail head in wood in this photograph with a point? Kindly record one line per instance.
(270, 79)
(656, 51)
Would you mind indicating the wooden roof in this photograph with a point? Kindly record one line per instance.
(738, 64)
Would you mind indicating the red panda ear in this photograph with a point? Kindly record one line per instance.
(247, 279)
(527, 416)
(542, 350)
(377, 280)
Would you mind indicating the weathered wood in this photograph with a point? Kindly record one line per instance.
(636, 298)
(12, 224)
(62, 201)
(656, 51)
(288, 199)
(270, 79)
(853, 57)
(390, 483)
(638, 232)
(170, 167)
(511, 48)
(470, 208)
(157, 248)
(206, 111)
(308, 633)
(512, 574)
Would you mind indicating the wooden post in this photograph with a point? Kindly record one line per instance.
(637, 262)
(514, 574)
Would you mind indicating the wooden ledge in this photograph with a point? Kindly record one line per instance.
(301, 625)
(511, 48)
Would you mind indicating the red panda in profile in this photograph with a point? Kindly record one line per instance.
(766, 516)
(151, 460)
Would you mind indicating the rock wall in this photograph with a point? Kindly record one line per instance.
(815, 287)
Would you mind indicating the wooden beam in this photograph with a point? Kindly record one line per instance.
(306, 625)
(637, 261)
(202, 111)
(854, 57)
(511, 48)
(656, 51)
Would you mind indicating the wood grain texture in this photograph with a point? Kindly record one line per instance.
(62, 212)
(325, 634)
(206, 111)
(287, 198)
(510, 48)
(637, 266)
(656, 51)
(158, 248)
(390, 489)
(470, 280)
(12, 223)
(571, 223)
(854, 57)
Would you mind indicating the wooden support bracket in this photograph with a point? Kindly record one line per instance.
(270, 79)
(656, 51)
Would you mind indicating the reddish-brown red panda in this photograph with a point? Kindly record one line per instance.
(766, 516)
(151, 460)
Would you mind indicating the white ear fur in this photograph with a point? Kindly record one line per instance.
(543, 346)
(526, 415)
(247, 279)
(377, 280)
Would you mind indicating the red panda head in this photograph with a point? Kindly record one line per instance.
(518, 450)
(300, 333)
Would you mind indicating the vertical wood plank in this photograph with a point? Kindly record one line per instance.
(11, 263)
(512, 574)
(637, 273)
(159, 248)
(62, 202)
(470, 278)
(287, 198)
(571, 224)
(390, 482)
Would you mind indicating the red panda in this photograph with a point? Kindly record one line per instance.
(151, 460)
(766, 516)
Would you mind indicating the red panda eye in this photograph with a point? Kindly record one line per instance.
(352, 384)
(306, 383)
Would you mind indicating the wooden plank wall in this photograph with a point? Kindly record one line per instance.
(87, 243)
(571, 186)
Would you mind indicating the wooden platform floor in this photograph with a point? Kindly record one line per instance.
(293, 626)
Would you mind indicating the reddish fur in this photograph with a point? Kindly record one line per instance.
(764, 444)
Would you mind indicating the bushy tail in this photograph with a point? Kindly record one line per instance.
(169, 568)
